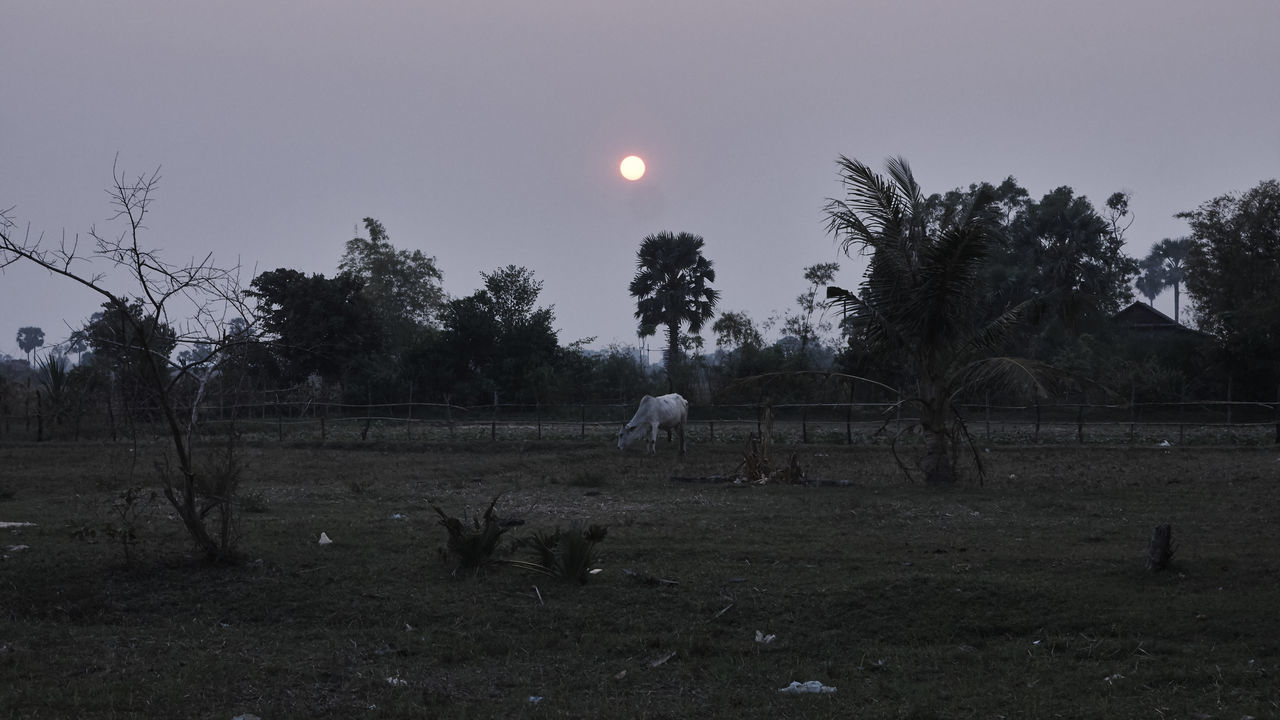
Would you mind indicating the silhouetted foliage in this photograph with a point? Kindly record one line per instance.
(318, 325)
(498, 340)
(672, 288)
(30, 338)
(917, 304)
(1233, 268)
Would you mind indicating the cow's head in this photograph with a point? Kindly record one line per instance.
(628, 435)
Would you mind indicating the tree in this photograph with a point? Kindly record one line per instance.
(1077, 261)
(498, 339)
(30, 338)
(403, 286)
(77, 344)
(320, 325)
(1232, 270)
(1148, 283)
(1059, 250)
(672, 287)
(803, 325)
(917, 304)
(735, 330)
(59, 385)
(126, 340)
(1119, 217)
(1166, 266)
(204, 293)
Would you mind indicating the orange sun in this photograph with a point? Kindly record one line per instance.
(632, 167)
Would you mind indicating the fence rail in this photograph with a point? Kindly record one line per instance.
(1199, 422)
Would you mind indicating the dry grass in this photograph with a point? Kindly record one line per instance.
(1024, 597)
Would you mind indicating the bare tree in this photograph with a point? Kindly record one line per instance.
(197, 301)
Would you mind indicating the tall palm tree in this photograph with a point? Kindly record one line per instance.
(1166, 266)
(917, 304)
(672, 287)
(1148, 283)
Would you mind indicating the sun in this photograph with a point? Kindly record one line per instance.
(632, 167)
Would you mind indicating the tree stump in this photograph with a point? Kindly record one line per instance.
(1161, 549)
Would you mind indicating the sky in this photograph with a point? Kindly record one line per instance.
(489, 133)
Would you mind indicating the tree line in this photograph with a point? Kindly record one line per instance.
(381, 326)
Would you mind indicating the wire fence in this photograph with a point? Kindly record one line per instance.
(848, 423)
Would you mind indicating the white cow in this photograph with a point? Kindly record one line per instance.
(666, 412)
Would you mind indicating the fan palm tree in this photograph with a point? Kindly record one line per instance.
(1149, 282)
(1166, 266)
(917, 304)
(672, 287)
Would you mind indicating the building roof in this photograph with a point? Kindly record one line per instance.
(1140, 316)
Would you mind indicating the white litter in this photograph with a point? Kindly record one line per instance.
(535, 699)
(813, 687)
(4, 524)
(397, 681)
(324, 539)
(1165, 443)
(764, 639)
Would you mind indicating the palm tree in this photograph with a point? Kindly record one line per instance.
(672, 288)
(1166, 266)
(30, 338)
(917, 304)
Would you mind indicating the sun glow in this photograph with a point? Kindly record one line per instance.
(632, 167)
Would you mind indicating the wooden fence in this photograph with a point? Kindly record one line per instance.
(1198, 423)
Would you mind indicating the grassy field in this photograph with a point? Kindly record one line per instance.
(1024, 597)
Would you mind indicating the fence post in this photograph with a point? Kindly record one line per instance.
(1080, 420)
(493, 424)
(279, 420)
(582, 412)
(1182, 406)
(1133, 414)
(1037, 435)
(988, 416)
(712, 426)
(1229, 383)
(368, 416)
(537, 414)
(848, 418)
(804, 424)
(448, 416)
(408, 419)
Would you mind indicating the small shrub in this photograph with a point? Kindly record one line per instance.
(568, 555)
(472, 548)
(130, 510)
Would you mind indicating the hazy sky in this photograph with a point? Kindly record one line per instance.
(489, 133)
